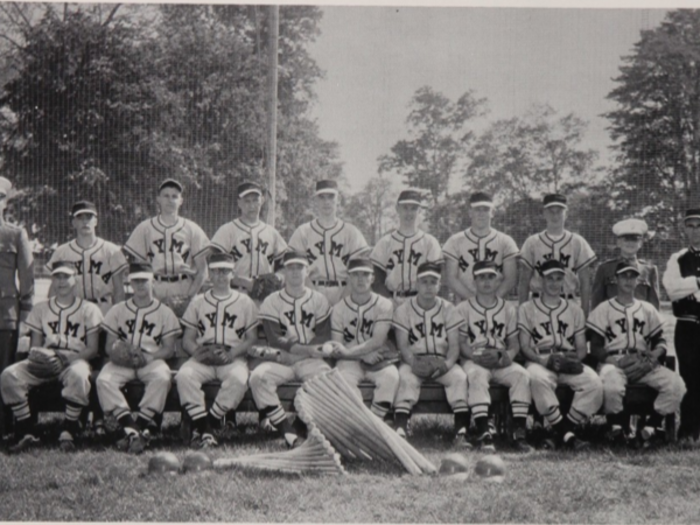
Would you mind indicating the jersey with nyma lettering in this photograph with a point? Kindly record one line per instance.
(400, 255)
(254, 248)
(65, 327)
(145, 327)
(552, 327)
(427, 329)
(625, 328)
(298, 317)
(356, 322)
(224, 321)
(488, 327)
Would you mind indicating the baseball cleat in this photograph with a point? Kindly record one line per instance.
(401, 432)
(266, 425)
(573, 442)
(228, 431)
(520, 443)
(461, 440)
(137, 444)
(208, 441)
(28, 441)
(65, 442)
(485, 442)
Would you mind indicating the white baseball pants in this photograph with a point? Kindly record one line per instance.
(267, 376)
(514, 376)
(454, 381)
(16, 381)
(386, 382)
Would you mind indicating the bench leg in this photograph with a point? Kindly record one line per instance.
(185, 427)
(670, 424)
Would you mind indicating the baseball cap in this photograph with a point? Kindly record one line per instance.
(294, 257)
(361, 264)
(635, 227)
(246, 188)
(550, 267)
(170, 183)
(5, 186)
(483, 267)
(626, 266)
(64, 267)
(480, 199)
(140, 270)
(554, 199)
(410, 197)
(82, 207)
(693, 213)
(326, 186)
(429, 268)
(220, 260)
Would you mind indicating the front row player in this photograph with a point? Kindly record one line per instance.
(625, 326)
(552, 325)
(489, 343)
(220, 316)
(70, 327)
(427, 325)
(145, 323)
(296, 320)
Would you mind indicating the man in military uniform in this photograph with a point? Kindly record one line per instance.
(630, 234)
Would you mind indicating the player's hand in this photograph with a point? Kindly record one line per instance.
(373, 358)
(289, 340)
(202, 354)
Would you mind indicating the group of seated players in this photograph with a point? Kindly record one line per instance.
(376, 314)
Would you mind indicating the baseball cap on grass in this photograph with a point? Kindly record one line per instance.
(429, 269)
(83, 207)
(480, 198)
(5, 187)
(220, 260)
(361, 264)
(246, 188)
(140, 270)
(410, 197)
(484, 267)
(294, 257)
(554, 199)
(550, 267)
(326, 186)
(64, 267)
(625, 267)
(170, 183)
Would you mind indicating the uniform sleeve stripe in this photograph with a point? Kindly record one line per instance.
(595, 328)
(382, 320)
(188, 324)
(511, 333)
(255, 324)
(200, 252)
(270, 318)
(92, 330)
(580, 330)
(525, 261)
(377, 263)
(510, 255)
(121, 268)
(35, 328)
(132, 251)
(399, 326)
(172, 332)
(523, 326)
(336, 331)
(218, 247)
(456, 325)
(323, 318)
(110, 330)
(587, 263)
(450, 256)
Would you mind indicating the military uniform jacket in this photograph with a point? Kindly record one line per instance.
(605, 287)
(16, 266)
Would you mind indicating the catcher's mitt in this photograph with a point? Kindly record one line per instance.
(636, 366)
(563, 364)
(488, 357)
(429, 366)
(45, 363)
(124, 354)
(264, 353)
(385, 356)
(264, 285)
(177, 303)
(213, 355)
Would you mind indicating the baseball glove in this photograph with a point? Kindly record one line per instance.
(488, 357)
(429, 366)
(126, 355)
(264, 353)
(177, 303)
(45, 363)
(213, 355)
(264, 285)
(385, 356)
(563, 364)
(636, 366)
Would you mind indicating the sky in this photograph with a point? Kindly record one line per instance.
(375, 58)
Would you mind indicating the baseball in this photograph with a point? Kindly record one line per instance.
(327, 348)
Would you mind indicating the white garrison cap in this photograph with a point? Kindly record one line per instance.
(630, 227)
(5, 186)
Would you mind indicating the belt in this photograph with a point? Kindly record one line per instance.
(329, 283)
(410, 293)
(623, 352)
(565, 296)
(99, 300)
(690, 318)
(171, 278)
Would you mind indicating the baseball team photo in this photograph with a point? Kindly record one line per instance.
(338, 264)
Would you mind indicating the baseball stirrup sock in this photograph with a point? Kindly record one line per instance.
(576, 417)
(380, 409)
(520, 409)
(553, 415)
(218, 411)
(480, 410)
(73, 411)
(195, 411)
(276, 416)
(21, 411)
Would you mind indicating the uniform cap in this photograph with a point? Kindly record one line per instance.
(552, 266)
(5, 186)
(429, 268)
(170, 183)
(626, 266)
(483, 267)
(480, 199)
(294, 257)
(630, 227)
(83, 207)
(554, 199)
(246, 188)
(220, 260)
(693, 213)
(410, 197)
(361, 264)
(64, 267)
(140, 270)
(326, 186)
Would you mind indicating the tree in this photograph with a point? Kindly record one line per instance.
(372, 208)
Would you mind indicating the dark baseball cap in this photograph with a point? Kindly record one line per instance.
(326, 186)
(170, 183)
(140, 270)
(693, 213)
(82, 207)
(626, 266)
(550, 267)
(246, 188)
(361, 264)
(410, 197)
(483, 267)
(554, 199)
(294, 257)
(64, 267)
(429, 268)
(480, 198)
(220, 260)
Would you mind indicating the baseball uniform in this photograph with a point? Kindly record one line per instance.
(468, 248)
(629, 329)
(605, 283)
(491, 327)
(570, 249)
(354, 324)
(95, 266)
(553, 329)
(427, 335)
(144, 328)
(328, 251)
(225, 321)
(400, 255)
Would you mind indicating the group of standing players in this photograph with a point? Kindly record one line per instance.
(374, 313)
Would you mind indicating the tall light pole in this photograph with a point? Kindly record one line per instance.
(271, 161)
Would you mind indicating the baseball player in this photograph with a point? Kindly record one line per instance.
(220, 316)
(296, 320)
(427, 325)
(360, 323)
(558, 244)
(100, 264)
(397, 255)
(551, 324)
(630, 235)
(256, 247)
(329, 243)
(70, 327)
(173, 246)
(147, 324)
(682, 283)
(489, 343)
(479, 242)
(622, 326)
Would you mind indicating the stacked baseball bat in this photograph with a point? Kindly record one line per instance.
(328, 403)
